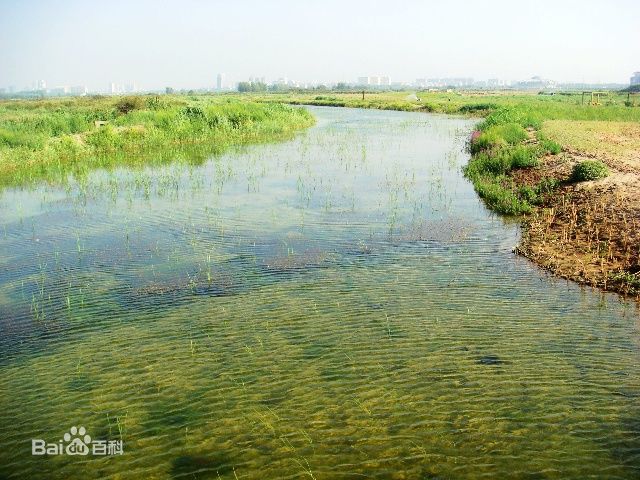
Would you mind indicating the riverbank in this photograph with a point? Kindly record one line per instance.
(523, 158)
(574, 182)
(53, 139)
(589, 231)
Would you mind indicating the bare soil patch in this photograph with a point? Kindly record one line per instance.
(588, 232)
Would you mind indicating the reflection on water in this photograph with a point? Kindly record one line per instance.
(337, 306)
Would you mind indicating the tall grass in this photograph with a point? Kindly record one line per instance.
(51, 139)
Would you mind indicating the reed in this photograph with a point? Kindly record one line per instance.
(53, 139)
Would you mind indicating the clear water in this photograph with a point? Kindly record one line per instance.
(337, 306)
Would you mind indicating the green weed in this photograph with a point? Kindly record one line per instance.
(51, 139)
(589, 170)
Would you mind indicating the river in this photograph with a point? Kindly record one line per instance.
(340, 305)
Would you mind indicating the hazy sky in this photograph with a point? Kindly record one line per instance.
(185, 43)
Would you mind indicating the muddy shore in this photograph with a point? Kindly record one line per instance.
(588, 232)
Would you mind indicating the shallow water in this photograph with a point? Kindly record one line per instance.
(337, 306)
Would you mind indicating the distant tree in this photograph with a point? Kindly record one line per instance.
(168, 90)
(252, 87)
(278, 88)
(259, 87)
(342, 86)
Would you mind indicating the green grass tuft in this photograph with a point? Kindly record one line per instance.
(589, 170)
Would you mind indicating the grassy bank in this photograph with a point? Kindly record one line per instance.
(481, 103)
(513, 137)
(51, 139)
(573, 172)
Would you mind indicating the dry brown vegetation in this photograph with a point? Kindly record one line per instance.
(590, 231)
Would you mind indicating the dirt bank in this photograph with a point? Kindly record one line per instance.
(589, 231)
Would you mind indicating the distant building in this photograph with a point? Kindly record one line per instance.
(59, 91)
(220, 81)
(449, 82)
(113, 88)
(373, 81)
(78, 90)
(41, 85)
(131, 87)
(536, 83)
(635, 80)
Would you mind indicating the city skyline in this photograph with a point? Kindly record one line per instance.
(221, 82)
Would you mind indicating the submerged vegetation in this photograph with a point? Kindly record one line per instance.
(51, 139)
(333, 307)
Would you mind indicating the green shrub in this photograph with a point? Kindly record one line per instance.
(512, 133)
(589, 170)
(68, 148)
(500, 198)
(549, 146)
(483, 163)
(477, 107)
(154, 103)
(528, 194)
(631, 280)
(14, 139)
(523, 115)
(523, 156)
(105, 138)
(127, 104)
(486, 141)
(193, 112)
(547, 185)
